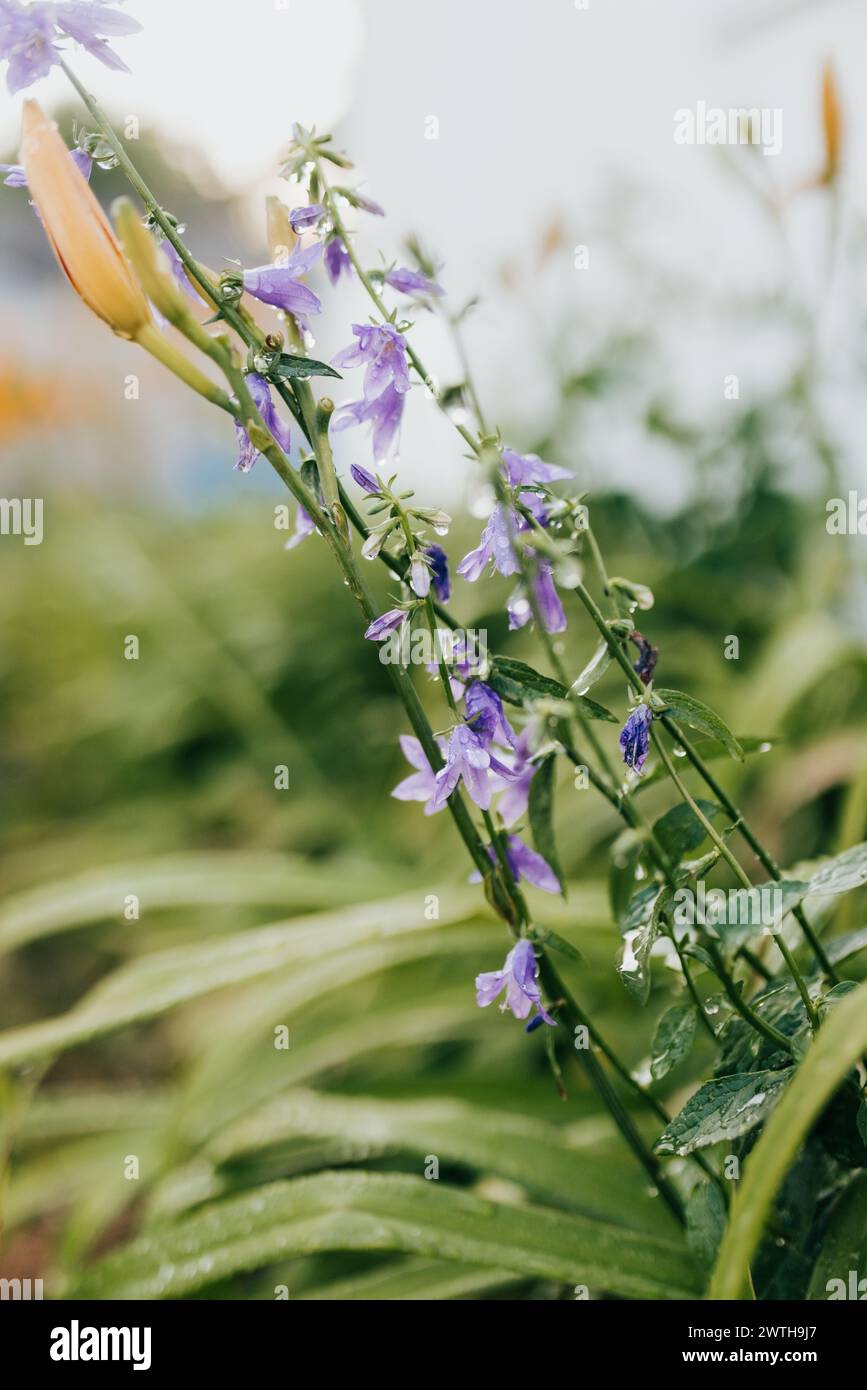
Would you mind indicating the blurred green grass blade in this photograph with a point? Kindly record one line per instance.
(841, 1041)
(527, 1152)
(186, 880)
(366, 1211)
(415, 1280)
(151, 986)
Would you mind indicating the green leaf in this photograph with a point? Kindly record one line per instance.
(540, 807)
(374, 1211)
(842, 873)
(546, 937)
(593, 671)
(699, 716)
(640, 928)
(680, 831)
(705, 1221)
(844, 1246)
(842, 947)
(296, 368)
(518, 684)
(723, 1109)
(673, 1039)
(839, 1044)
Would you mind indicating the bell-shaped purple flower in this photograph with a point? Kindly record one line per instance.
(512, 805)
(382, 351)
(522, 470)
(525, 863)
(439, 563)
(384, 413)
(518, 979)
(301, 219)
(412, 282)
(467, 760)
(420, 785)
(486, 717)
(495, 547)
(261, 393)
(279, 284)
(635, 737)
(386, 624)
(91, 24)
(337, 260)
(551, 610)
(304, 527)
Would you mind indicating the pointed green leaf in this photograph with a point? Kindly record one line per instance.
(673, 1039)
(724, 1109)
(697, 715)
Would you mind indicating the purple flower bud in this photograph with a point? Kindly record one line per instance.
(368, 205)
(300, 219)
(386, 624)
(364, 479)
(419, 577)
(635, 737)
(518, 979)
(439, 563)
(412, 282)
(648, 656)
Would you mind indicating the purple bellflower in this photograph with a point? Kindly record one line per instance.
(495, 547)
(420, 785)
(524, 470)
(382, 352)
(412, 282)
(386, 624)
(467, 760)
(337, 260)
(304, 527)
(635, 737)
(16, 177)
(439, 563)
(29, 35)
(551, 610)
(367, 204)
(261, 393)
(486, 717)
(300, 219)
(518, 979)
(512, 805)
(279, 284)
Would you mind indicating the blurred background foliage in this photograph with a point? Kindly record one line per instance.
(155, 1036)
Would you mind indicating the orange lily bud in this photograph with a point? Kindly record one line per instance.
(78, 229)
(832, 122)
